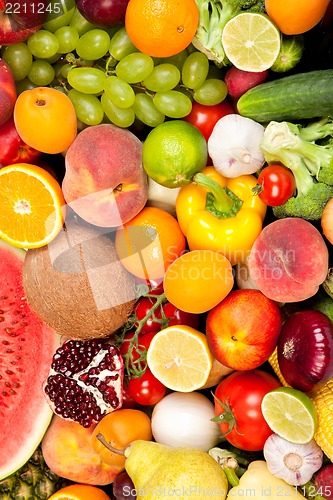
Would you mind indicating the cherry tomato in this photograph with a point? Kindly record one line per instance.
(177, 316)
(278, 185)
(243, 391)
(128, 401)
(205, 117)
(155, 286)
(146, 390)
(143, 342)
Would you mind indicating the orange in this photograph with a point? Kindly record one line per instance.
(149, 243)
(80, 492)
(45, 119)
(32, 206)
(295, 17)
(198, 281)
(120, 428)
(161, 28)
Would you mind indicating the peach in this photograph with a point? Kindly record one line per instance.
(105, 182)
(68, 451)
(289, 260)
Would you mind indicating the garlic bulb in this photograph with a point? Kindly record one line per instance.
(234, 146)
(294, 463)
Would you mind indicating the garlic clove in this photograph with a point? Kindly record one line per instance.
(234, 146)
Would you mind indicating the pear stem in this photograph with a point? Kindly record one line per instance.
(102, 439)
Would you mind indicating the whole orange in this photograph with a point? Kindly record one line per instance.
(80, 492)
(149, 243)
(296, 17)
(45, 119)
(198, 280)
(161, 28)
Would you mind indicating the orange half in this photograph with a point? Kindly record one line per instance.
(32, 206)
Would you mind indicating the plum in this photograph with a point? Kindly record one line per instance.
(289, 260)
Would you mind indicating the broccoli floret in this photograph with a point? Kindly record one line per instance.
(213, 16)
(308, 206)
(311, 164)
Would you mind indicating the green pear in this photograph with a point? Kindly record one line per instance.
(161, 471)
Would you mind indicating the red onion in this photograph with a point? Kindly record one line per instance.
(305, 350)
(324, 482)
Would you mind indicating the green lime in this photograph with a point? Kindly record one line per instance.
(173, 153)
(251, 41)
(290, 413)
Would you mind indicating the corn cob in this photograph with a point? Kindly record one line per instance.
(323, 400)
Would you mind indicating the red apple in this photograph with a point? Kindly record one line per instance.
(12, 148)
(20, 19)
(242, 330)
(105, 13)
(7, 92)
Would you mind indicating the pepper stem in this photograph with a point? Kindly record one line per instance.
(222, 202)
(229, 470)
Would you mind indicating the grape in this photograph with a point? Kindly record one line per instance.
(52, 59)
(93, 45)
(121, 45)
(87, 80)
(178, 59)
(173, 104)
(211, 92)
(56, 20)
(123, 481)
(119, 92)
(88, 108)
(135, 67)
(80, 23)
(67, 37)
(65, 69)
(122, 117)
(43, 44)
(163, 77)
(146, 111)
(195, 70)
(19, 59)
(23, 85)
(41, 73)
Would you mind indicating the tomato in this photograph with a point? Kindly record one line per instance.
(278, 185)
(155, 286)
(177, 316)
(243, 391)
(205, 117)
(120, 428)
(143, 342)
(146, 390)
(128, 401)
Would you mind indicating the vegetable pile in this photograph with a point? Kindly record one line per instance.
(166, 192)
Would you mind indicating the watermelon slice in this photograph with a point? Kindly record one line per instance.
(26, 349)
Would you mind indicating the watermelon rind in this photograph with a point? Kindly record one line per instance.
(24, 420)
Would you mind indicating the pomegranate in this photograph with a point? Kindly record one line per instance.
(85, 381)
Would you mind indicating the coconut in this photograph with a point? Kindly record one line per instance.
(77, 285)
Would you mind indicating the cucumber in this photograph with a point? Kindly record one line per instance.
(295, 97)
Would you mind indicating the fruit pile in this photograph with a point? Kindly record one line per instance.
(166, 297)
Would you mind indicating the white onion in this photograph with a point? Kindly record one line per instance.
(234, 146)
(184, 419)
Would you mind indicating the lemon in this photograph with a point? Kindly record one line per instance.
(173, 153)
(179, 357)
(251, 41)
(290, 413)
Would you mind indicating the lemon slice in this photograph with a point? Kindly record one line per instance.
(290, 413)
(179, 357)
(251, 41)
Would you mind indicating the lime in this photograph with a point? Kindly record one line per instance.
(290, 413)
(251, 41)
(173, 153)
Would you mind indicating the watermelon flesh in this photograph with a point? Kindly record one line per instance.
(26, 349)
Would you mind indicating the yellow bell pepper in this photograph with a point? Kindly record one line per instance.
(211, 219)
(258, 482)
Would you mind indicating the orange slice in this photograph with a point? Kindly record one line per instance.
(32, 206)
